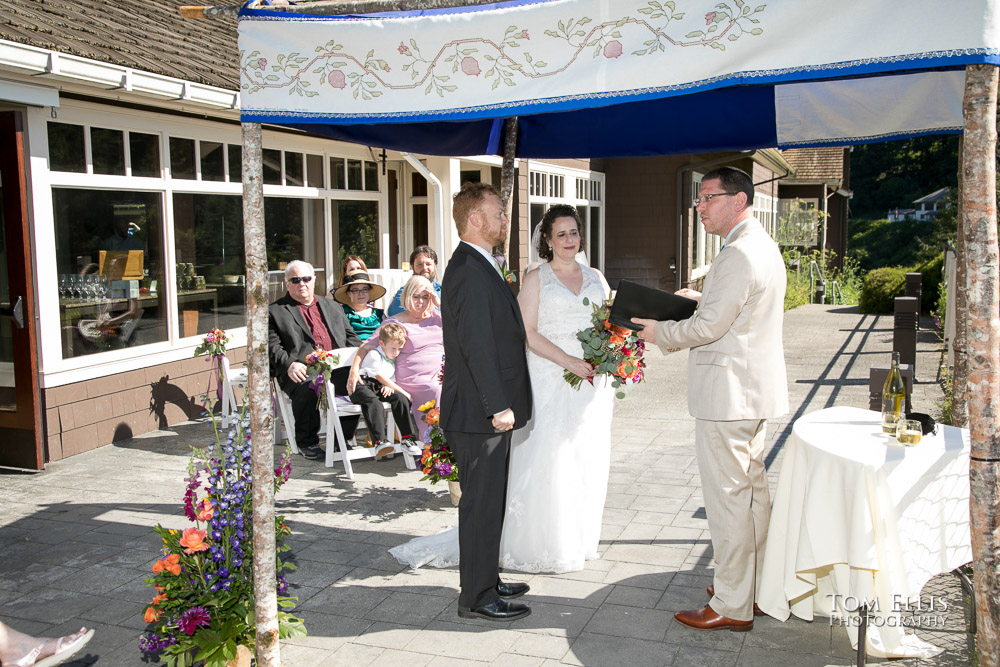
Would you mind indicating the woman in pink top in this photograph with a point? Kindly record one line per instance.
(418, 366)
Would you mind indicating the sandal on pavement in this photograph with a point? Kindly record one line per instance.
(66, 648)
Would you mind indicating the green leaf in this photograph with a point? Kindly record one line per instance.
(551, 33)
(527, 56)
(712, 28)
(271, 77)
(669, 5)
(616, 33)
(586, 301)
(541, 63)
(619, 394)
(584, 21)
(759, 8)
(622, 21)
(639, 53)
(370, 54)
(695, 33)
(756, 31)
(678, 16)
(717, 45)
(733, 38)
(740, 3)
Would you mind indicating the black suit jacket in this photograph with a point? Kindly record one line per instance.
(485, 367)
(289, 338)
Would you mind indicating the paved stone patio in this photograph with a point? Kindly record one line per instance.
(76, 541)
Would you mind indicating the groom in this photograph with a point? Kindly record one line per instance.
(485, 396)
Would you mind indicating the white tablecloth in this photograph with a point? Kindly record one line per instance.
(391, 280)
(856, 514)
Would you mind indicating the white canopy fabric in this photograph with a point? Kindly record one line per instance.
(599, 78)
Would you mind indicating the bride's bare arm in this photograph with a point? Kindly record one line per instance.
(537, 343)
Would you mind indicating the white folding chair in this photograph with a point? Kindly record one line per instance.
(231, 378)
(336, 450)
(285, 414)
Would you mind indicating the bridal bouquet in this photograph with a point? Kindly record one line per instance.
(611, 350)
(437, 462)
(203, 609)
(320, 364)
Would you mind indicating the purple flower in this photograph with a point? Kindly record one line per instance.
(192, 619)
(443, 468)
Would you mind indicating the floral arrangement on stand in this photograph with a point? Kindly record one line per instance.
(214, 344)
(204, 604)
(611, 350)
(320, 364)
(437, 462)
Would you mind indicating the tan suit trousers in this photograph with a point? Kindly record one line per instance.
(738, 505)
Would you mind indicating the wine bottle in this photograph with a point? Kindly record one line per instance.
(893, 397)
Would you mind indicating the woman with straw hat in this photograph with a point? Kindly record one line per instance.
(356, 294)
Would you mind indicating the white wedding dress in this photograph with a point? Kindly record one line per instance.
(558, 475)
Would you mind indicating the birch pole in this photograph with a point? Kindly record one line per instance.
(507, 177)
(960, 371)
(259, 390)
(979, 220)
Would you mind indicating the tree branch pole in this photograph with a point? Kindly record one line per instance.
(329, 7)
(507, 174)
(259, 390)
(960, 371)
(979, 220)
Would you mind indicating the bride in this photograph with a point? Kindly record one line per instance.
(558, 475)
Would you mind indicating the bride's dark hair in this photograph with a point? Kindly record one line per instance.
(545, 228)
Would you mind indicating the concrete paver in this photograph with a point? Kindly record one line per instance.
(76, 541)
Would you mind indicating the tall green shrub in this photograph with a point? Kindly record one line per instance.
(881, 286)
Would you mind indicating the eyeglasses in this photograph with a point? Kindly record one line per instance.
(300, 279)
(359, 290)
(704, 199)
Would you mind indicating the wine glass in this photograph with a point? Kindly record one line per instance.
(63, 284)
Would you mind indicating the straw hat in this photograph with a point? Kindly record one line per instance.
(358, 278)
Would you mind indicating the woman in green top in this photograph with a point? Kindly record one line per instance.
(356, 294)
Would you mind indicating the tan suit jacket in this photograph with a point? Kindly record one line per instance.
(736, 369)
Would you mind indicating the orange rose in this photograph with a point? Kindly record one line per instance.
(616, 339)
(426, 456)
(160, 597)
(173, 563)
(152, 615)
(607, 324)
(158, 567)
(206, 511)
(433, 416)
(427, 470)
(194, 540)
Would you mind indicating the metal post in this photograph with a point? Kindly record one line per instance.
(904, 330)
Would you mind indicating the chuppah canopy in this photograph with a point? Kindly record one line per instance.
(615, 78)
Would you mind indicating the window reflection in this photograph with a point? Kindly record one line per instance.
(356, 226)
(208, 246)
(109, 260)
(294, 230)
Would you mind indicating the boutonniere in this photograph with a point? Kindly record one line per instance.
(507, 274)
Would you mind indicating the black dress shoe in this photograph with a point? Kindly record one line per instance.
(498, 610)
(512, 590)
(311, 453)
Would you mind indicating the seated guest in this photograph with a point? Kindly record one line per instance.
(424, 261)
(377, 385)
(418, 366)
(350, 264)
(298, 323)
(355, 295)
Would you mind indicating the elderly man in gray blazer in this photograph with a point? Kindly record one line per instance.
(736, 381)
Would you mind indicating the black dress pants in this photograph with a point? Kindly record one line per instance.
(482, 459)
(305, 410)
(369, 396)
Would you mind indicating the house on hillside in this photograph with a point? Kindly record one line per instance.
(925, 208)
(122, 215)
(814, 199)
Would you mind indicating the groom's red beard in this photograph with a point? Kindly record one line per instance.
(500, 238)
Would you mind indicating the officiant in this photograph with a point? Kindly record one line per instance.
(736, 381)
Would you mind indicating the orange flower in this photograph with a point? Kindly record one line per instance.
(194, 540)
(623, 368)
(426, 456)
(160, 597)
(607, 324)
(206, 511)
(616, 339)
(152, 615)
(427, 470)
(433, 416)
(621, 331)
(171, 564)
(158, 567)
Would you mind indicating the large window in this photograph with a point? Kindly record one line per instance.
(294, 230)
(109, 261)
(355, 224)
(208, 249)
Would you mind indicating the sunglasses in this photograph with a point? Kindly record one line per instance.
(359, 290)
(303, 279)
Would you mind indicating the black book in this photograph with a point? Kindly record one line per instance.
(635, 300)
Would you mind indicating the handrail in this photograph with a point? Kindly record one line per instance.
(835, 293)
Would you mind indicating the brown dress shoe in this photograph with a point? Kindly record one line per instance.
(756, 610)
(707, 618)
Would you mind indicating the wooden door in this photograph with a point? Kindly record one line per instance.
(20, 401)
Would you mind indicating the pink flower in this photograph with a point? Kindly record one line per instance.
(194, 541)
(191, 619)
(387, 68)
(261, 63)
(710, 18)
(336, 79)
(403, 49)
(470, 66)
(524, 34)
(613, 49)
(206, 511)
